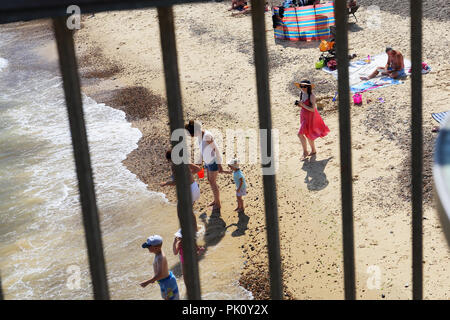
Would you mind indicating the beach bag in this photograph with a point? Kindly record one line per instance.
(425, 68)
(332, 64)
(326, 46)
(320, 64)
(357, 98)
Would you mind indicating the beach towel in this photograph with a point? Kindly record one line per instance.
(308, 23)
(425, 68)
(374, 83)
(440, 116)
(361, 68)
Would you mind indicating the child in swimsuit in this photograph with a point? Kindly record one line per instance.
(165, 278)
(177, 247)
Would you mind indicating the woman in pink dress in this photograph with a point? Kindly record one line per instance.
(311, 123)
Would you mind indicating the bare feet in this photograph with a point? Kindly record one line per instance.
(236, 209)
(312, 153)
(364, 78)
(211, 204)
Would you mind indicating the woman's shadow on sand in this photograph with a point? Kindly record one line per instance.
(315, 176)
(215, 228)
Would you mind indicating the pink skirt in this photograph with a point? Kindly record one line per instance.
(312, 125)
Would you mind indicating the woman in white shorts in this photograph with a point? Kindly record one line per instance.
(195, 189)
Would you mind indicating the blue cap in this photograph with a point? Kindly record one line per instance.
(152, 241)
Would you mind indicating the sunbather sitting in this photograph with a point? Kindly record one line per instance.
(394, 68)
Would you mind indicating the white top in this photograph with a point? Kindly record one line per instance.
(304, 97)
(208, 149)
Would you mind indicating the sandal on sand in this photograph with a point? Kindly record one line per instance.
(435, 129)
(201, 250)
(304, 157)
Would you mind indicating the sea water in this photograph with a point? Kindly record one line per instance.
(42, 241)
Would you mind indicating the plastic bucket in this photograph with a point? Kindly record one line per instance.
(201, 173)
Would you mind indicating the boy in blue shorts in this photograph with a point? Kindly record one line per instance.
(166, 280)
(239, 180)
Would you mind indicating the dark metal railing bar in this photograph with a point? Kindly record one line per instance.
(71, 84)
(12, 11)
(1, 289)
(416, 148)
(341, 17)
(265, 122)
(173, 91)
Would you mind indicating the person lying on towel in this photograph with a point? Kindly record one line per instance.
(248, 8)
(395, 67)
(302, 3)
(237, 5)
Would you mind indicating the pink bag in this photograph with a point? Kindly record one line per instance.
(332, 64)
(357, 98)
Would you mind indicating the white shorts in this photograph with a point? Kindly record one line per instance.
(195, 191)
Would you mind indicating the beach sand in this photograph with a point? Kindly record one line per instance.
(121, 65)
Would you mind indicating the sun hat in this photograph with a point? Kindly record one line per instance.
(178, 234)
(152, 241)
(234, 163)
(298, 85)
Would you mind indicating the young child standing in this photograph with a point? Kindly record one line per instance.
(177, 248)
(239, 180)
(165, 278)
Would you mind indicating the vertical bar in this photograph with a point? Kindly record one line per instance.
(1, 290)
(265, 123)
(69, 72)
(416, 147)
(341, 17)
(173, 91)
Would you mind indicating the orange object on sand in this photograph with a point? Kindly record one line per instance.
(201, 173)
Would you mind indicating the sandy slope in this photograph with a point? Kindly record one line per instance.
(120, 53)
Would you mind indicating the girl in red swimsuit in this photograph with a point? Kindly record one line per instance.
(311, 123)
